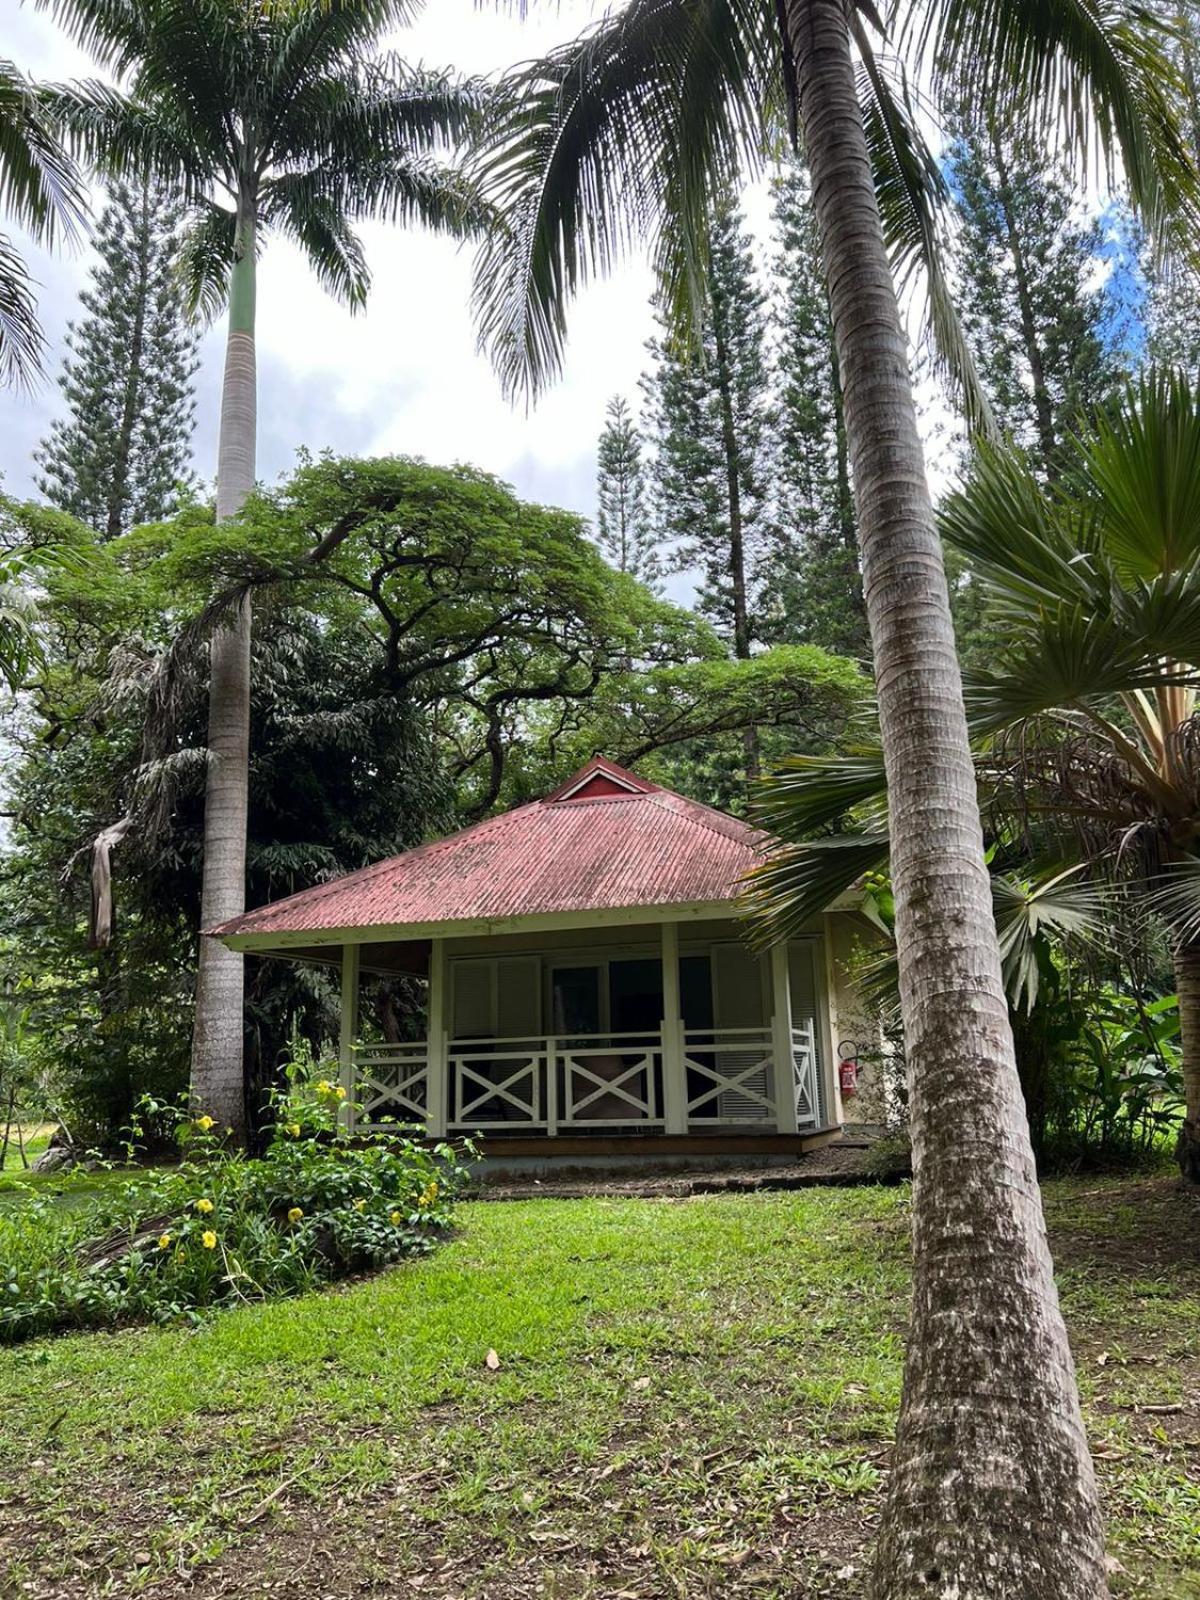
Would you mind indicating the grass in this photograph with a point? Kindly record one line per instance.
(685, 1398)
(36, 1137)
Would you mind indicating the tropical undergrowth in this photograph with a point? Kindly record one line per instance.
(173, 1243)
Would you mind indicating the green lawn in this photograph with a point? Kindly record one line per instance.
(692, 1398)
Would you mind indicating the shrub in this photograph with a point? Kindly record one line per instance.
(221, 1227)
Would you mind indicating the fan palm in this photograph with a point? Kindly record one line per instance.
(628, 135)
(264, 118)
(1086, 725)
(40, 190)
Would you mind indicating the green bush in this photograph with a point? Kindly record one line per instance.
(220, 1227)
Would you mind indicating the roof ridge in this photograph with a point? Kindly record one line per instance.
(722, 823)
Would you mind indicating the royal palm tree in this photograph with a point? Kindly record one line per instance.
(628, 135)
(40, 191)
(264, 118)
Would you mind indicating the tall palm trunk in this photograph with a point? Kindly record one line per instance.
(1187, 982)
(217, 1041)
(992, 1491)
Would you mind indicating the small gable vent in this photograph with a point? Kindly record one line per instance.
(600, 780)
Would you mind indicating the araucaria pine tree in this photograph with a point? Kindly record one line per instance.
(814, 583)
(1030, 294)
(707, 409)
(623, 522)
(118, 456)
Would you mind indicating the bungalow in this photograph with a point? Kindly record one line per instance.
(588, 990)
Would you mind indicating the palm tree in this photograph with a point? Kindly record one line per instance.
(40, 190)
(263, 118)
(1087, 724)
(629, 134)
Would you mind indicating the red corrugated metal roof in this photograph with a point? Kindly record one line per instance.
(605, 840)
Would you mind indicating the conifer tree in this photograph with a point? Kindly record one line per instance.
(1030, 295)
(623, 522)
(815, 584)
(119, 454)
(707, 410)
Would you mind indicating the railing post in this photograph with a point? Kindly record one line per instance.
(552, 1088)
(437, 1044)
(675, 1093)
(781, 1041)
(347, 1033)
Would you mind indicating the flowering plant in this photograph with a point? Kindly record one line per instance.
(220, 1227)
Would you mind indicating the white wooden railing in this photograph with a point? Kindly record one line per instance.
(613, 1081)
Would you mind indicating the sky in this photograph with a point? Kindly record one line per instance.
(404, 375)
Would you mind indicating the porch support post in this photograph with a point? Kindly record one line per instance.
(781, 1041)
(437, 1081)
(674, 1064)
(348, 1031)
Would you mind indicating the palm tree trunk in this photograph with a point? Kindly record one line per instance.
(991, 1490)
(1187, 982)
(218, 1083)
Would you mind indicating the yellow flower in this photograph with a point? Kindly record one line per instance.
(294, 1129)
(208, 1239)
(324, 1087)
(428, 1195)
(295, 1214)
(396, 1219)
(204, 1123)
(181, 1254)
(359, 1205)
(164, 1241)
(340, 1092)
(204, 1207)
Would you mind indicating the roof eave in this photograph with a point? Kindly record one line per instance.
(543, 921)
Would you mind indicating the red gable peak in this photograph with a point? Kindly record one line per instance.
(600, 779)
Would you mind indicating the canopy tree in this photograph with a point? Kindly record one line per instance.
(631, 133)
(262, 119)
(428, 647)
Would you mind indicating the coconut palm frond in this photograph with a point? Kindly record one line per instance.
(810, 793)
(912, 193)
(1056, 907)
(1095, 74)
(800, 881)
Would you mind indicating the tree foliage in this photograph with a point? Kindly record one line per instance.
(119, 455)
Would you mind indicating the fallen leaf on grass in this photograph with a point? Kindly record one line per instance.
(493, 1361)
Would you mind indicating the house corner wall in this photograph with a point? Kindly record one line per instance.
(853, 1023)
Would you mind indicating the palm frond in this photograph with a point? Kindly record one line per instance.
(22, 342)
(1174, 896)
(205, 259)
(1096, 73)
(800, 881)
(1072, 659)
(40, 188)
(911, 191)
(1055, 907)
(625, 137)
(120, 137)
(1030, 551)
(1142, 462)
(319, 226)
(809, 793)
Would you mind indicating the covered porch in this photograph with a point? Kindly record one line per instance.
(667, 1030)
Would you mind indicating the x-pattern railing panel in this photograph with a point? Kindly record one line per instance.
(644, 1103)
(465, 1076)
(725, 1081)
